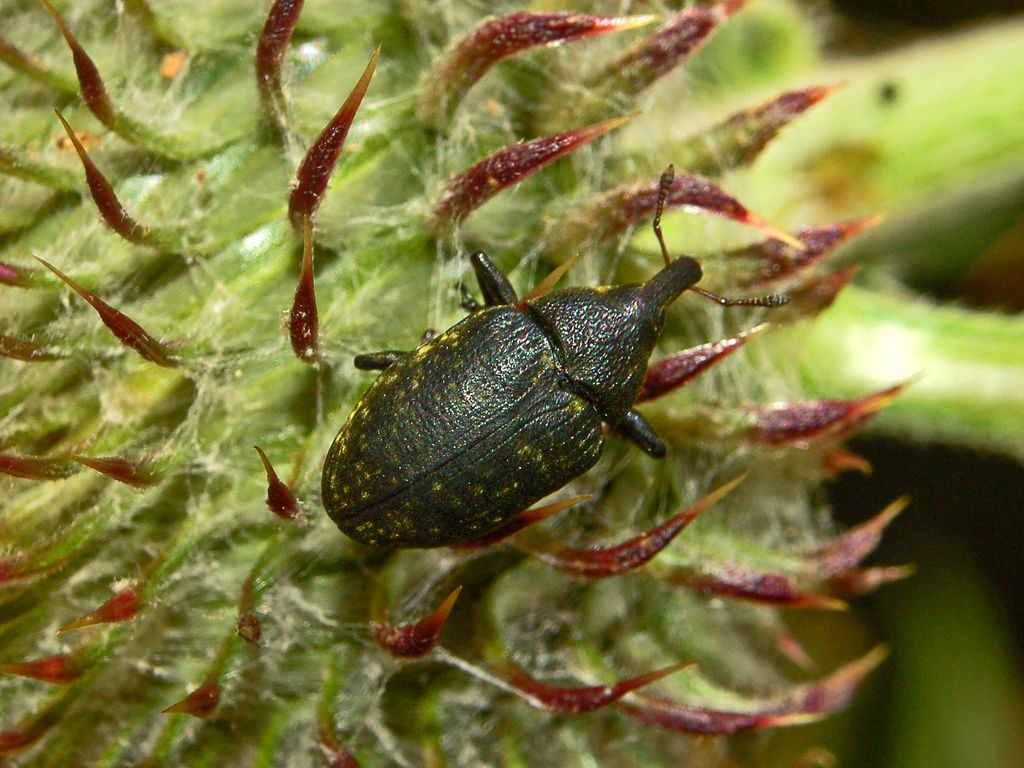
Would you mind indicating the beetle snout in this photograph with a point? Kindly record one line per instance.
(664, 288)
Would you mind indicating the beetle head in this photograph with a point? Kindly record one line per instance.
(605, 335)
(664, 288)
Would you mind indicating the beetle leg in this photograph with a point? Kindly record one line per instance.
(378, 361)
(636, 429)
(493, 283)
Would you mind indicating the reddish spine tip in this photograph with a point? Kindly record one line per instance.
(493, 40)
(23, 566)
(199, 703)
(863, 581)
(521, 521)
(280, 499)
(270, 51)
(625, 205)
(805, 704)
(847, 551)
(800, 424)
(24, 350)
(673, 372)
(467, 191)
(59, 670)
(318, 164)
(731, 580)
(121, 607)
(790, 647)
(816, 294)
(303, 319)
(742, 137)
(602, 562)
(697, 720)
(833, 693)
(651, 59)
(33, 467)
(411, 641)
(839, 460)
(777, 261)
(110, 207)
(18, 277)
(566, 700)
(25, 735)
(249, 627)
(127, 331)
(776, 113)
(94, 93)
(133, 473)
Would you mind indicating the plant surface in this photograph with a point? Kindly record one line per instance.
(209, 257)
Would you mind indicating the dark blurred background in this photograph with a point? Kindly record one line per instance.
(925, 13)
(950, 695)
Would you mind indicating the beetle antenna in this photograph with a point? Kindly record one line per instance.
(772, 300)
(663, 187)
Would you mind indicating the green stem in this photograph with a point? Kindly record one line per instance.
(969, 366)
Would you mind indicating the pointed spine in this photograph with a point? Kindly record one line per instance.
(317, 166)
(848, 550)
(602, 562)
(90, 82)
(97, 99)
(740, 138)
(676, 370)
(622, 207)
(270, 51)
(743, 583)
(800, 424)
(121, 607)
(775, 261)
(805, 704)
(521, 521)
(280, 499)
(58, 670)
(24, 350)
(33, 467)
(200, 703)
(410, 641)
(574, 700)
(133, 473)
(303, 318)
(493, 40)
(552, 278)
(649, 60)
(103, 195)
(468, 190)
(127, 331)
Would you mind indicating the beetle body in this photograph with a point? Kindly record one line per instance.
(459, 436)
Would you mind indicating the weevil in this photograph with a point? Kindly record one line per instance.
(460, 435)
